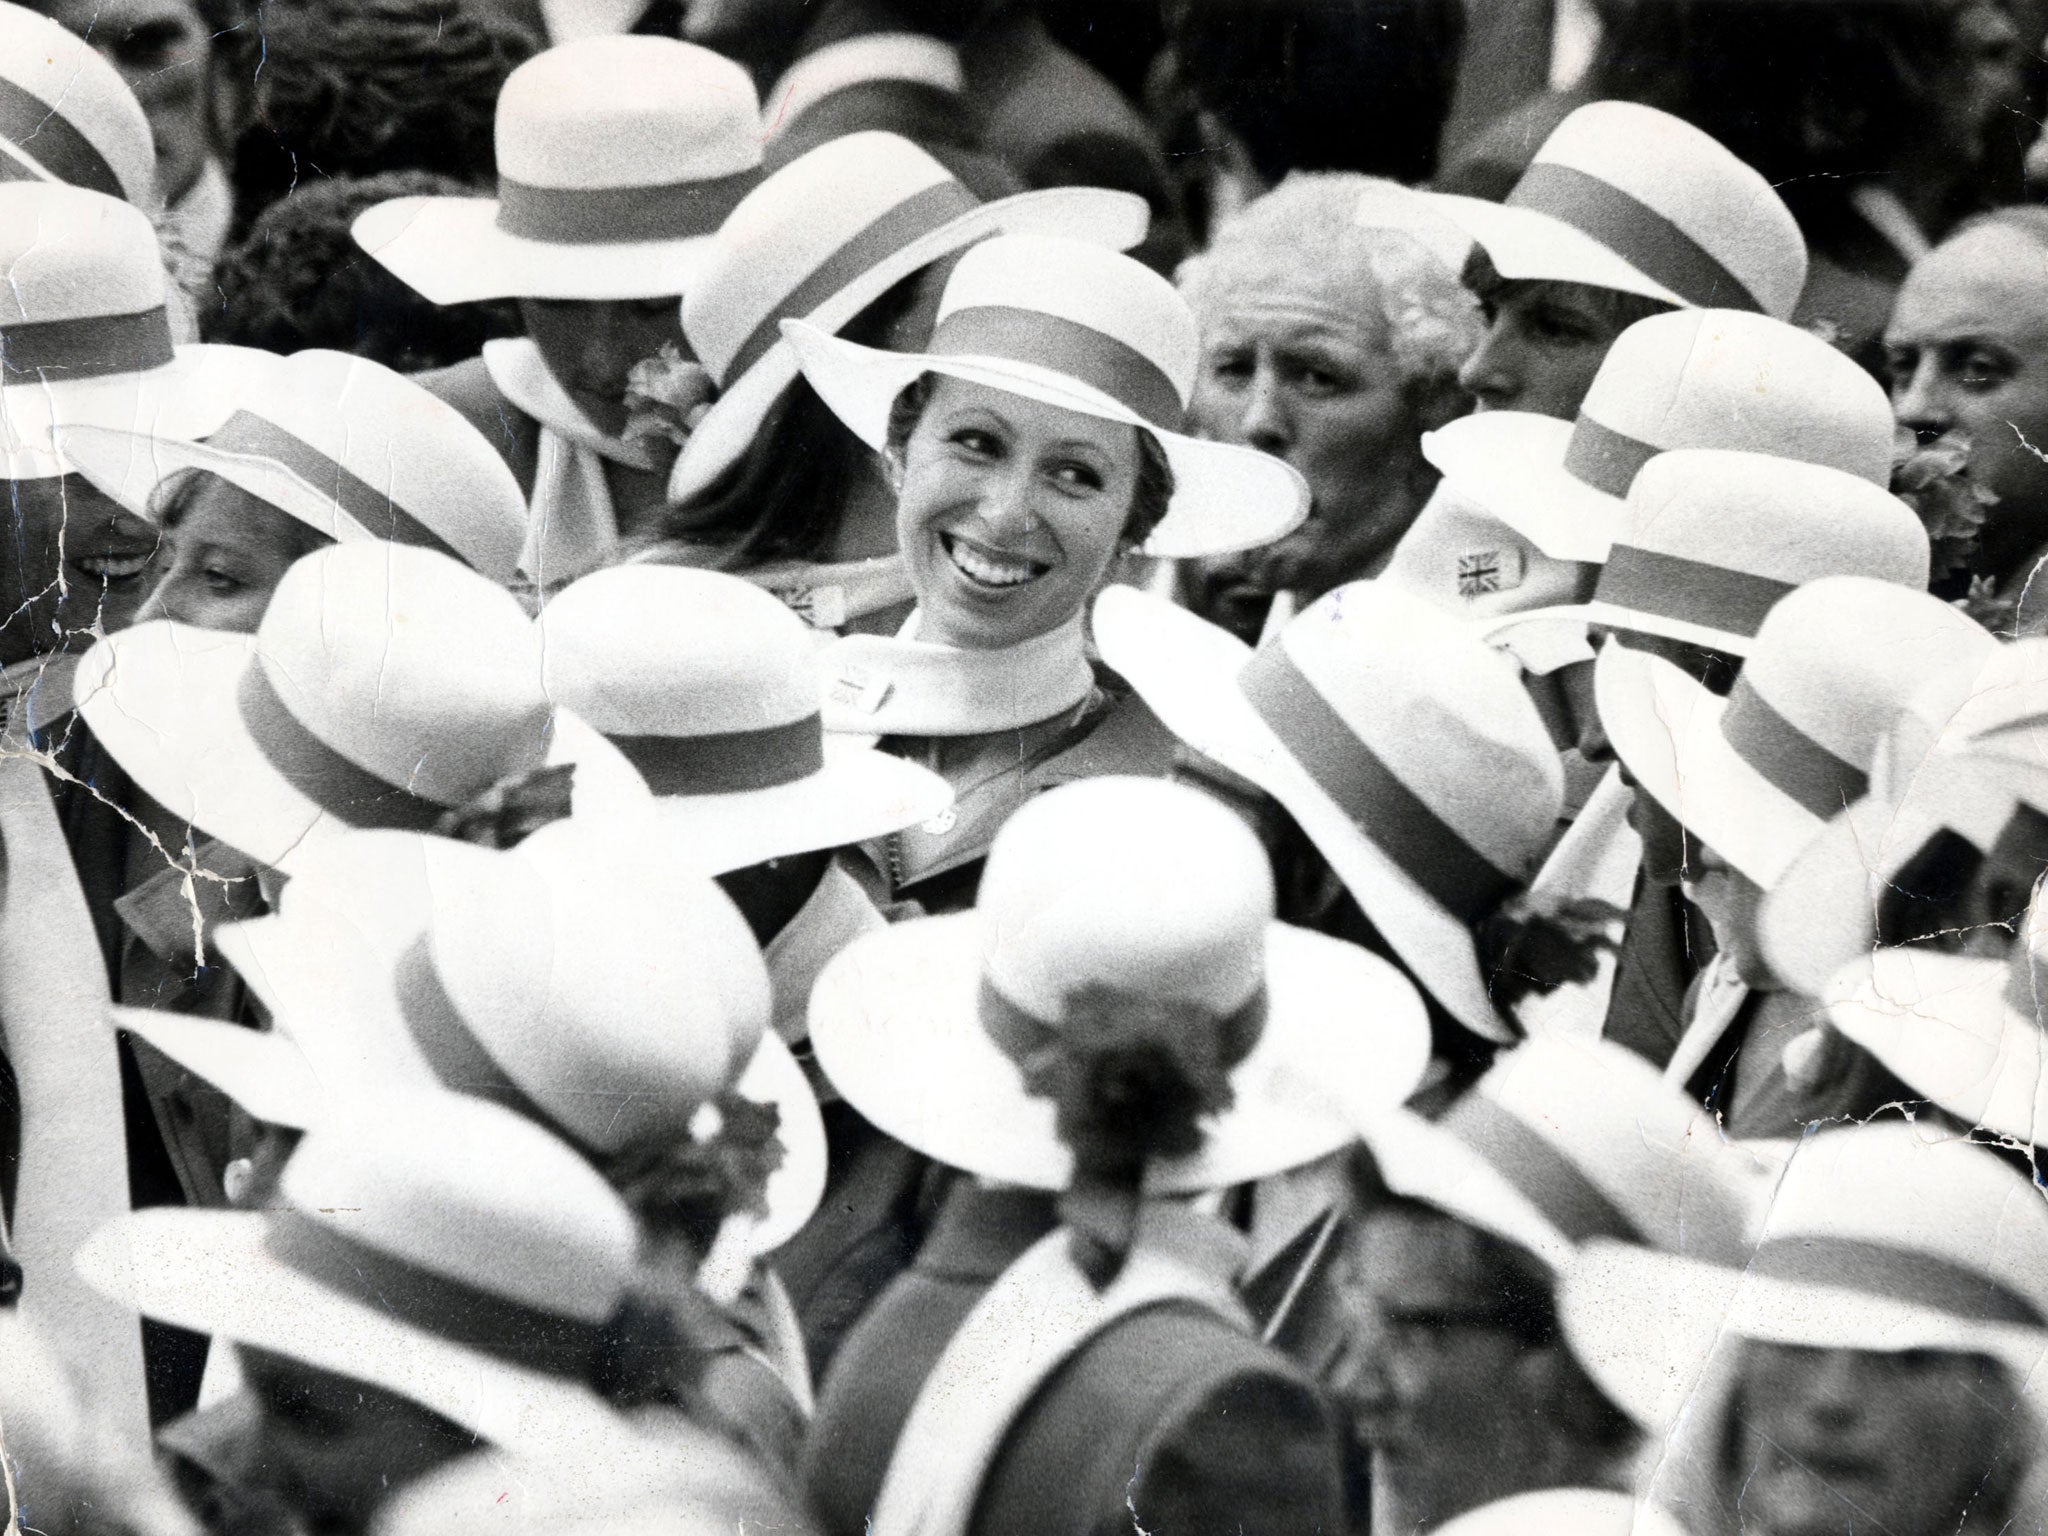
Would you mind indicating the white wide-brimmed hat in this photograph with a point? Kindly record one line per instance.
(1701, 378)
(67, 115)
(1563, 1141)
(1886, 1237)
(1566, 1512)
(1716, 537)
(1116, 885)
(618, 157)
(1624, 196)
(436, 1246)
(1757, 774)
(708, 685)
(1086, 329)
(1999, 706)
(387, 686)
(1404, 745)
(822, 239)
(1989, 791)
(86, 334)
(346, 446)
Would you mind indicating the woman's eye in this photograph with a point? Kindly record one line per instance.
(1230, 368)
(1080, 477)
(1560, 329)
(220, 581)
(977, 442)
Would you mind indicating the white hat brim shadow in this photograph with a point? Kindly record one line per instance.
(450, 250)
(1667, 729)
(214, 1272)
(1510, 465)
(1098, 215)
(1527, 246)
(1186, 671)
(895, 1023)
(1225, 499)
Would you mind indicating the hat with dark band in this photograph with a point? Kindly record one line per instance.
(618, 158)
(67, 115)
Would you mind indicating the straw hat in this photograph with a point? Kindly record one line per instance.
(1756, 775)
(1879, 1237)
(825, 237)
(387, 686)
(586, 978)
(617, 159)
(1716, 537)
(708, 685)
(1565, 1512)
(1137, 885)
(1563, 1141)
(344, 445)
(1964, 1031)
(1999, 706)
(1712, 378)
(1403, 744)
(1624, 196)
(439, 1247)
(67, 115)
(1088, 330)
(85, 330)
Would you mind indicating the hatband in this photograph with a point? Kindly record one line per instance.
(1909, 1275)
(1674, 587)
(1094, 357)
(676, 210)
(1603, 458)
(722, 762)
(60, 149)
(1021, 1034)
(337, 784)
(88, 346)
(1633, 230)
(1798, 766)
(1540, 1173)
(377, 511)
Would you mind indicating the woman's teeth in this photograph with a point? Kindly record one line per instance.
(113, 567)
(987, 569)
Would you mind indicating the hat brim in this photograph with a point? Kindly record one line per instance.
(895, 1024)
(1096, 215)
(859, 794)
(1226, 498)
(1648, 1325)
(1527, 246)
(450, 250)
(1666, 729)
(213, 1272)
(1635, 621)
(1186, 671)
(797, 1187)
(260, 1069)
(188, 397)
(1941, 1025)
(1424, 1162)
(1510, 464)
(1823, 913)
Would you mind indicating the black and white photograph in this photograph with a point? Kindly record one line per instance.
(1024, 767)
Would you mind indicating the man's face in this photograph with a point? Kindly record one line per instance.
(1968, 351)
(73, 565)
(1296, 364)
(1427, 1374)
(1544, 342)
(165, 52)
(1829, 1441)
(590, 346)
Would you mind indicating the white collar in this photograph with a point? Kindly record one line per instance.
(906, 56)
(516, 367)
(875, 685)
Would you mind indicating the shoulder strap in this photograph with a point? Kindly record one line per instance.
(1041, 1313)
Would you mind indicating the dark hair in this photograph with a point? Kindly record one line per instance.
(297, 279)
(1150, 498)
(360, 87)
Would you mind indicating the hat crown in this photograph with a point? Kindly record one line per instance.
(1997, 695)
(1136, 886)
(408, 664)
(656, 650)
(1774, 517)
(1443, 710)
(1892, 1185)
(1840, 659)
(1071, 280)
(377, 437)
(71, 254)
(90, 130)
(1675, 172)
(471, 1193)
(1718, 378)
(626, 111)
(785, 231)
(621, 1008)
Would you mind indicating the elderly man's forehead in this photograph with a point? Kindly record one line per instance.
(1247, 283)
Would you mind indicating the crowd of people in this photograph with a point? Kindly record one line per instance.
(751, 779)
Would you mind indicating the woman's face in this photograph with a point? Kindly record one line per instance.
(1009, 513)
(336, 1447)
(591, 346)
(72, 564)
(222, 555)
(1968, 351)
(1544, 342)
(1829, 1441)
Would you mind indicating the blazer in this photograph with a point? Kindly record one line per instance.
(883, 1363)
